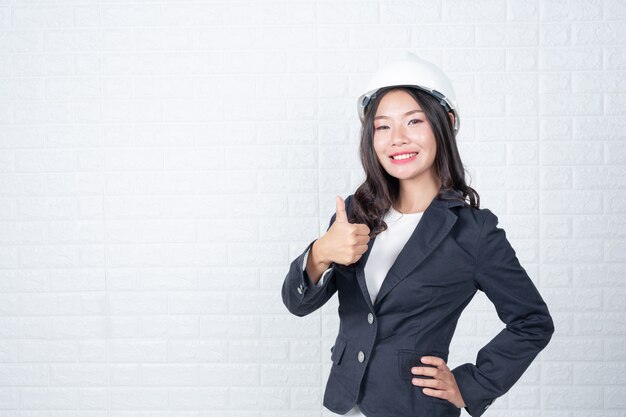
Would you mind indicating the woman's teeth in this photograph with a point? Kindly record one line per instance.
(404, 156)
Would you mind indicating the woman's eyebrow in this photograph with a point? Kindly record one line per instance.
(405, 114)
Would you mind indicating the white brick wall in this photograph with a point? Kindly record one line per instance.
(161, 164)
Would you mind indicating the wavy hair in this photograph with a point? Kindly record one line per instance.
(374, 197)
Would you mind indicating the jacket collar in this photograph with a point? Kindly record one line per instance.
(435, 224)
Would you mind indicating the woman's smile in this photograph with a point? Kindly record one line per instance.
(404, 158)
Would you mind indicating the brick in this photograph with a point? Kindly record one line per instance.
(436, 35)
(610, 373)
(24, 375)
(347, 12)
(522, 59)
(557, 373)
(509, 34)
(603, 34)
(49, 351)
(22, 41)
(130, 398)
(561, 153)
(83, 375)
(405, 12)
(525, 398)
(592, 81)
(509, 83)
(601, 275)
(382, 36)
(574, 300)
(259, 398)
(259, 351)
(482, 10)
(478, 60)
(570, 251)
(556, 177)
(566, 348)
(614, 9)
(190, 14)
(584, 104)
(204, 398)
(603, 177)
(564, 10)
(570, 59)
(85, 15)
(48, 398)
(298, 327)
(601, 128)
(600, 324)
(71, 40)
(507, 128)
(555, 34)
(130, 15)
(138, 351)
(290, 375)
(559, 82)
(300, 13)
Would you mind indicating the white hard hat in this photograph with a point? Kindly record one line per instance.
(413, 72)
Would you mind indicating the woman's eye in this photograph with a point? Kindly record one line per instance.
(381, 127)
(415, 120)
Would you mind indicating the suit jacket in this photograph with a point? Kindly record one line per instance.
(454, 251)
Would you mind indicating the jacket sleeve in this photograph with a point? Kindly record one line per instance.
(300, 295)
(529, 326)
(324, 274)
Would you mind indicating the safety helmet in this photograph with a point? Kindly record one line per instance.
(415, 72)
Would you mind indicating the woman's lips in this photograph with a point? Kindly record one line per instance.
(404, 161)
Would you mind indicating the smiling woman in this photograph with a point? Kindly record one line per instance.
(405, 145)
(401, 120)
(406, 253)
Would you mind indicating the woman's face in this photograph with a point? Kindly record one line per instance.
(400, 127)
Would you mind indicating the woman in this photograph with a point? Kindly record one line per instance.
(400, 299)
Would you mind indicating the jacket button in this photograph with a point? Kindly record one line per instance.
(361, 356)
(370, 318)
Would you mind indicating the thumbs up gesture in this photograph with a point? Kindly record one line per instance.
(345, 242)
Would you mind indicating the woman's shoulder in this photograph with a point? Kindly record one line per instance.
(481, 227)
(476, 217)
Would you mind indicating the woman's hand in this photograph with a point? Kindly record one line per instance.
(344, 243)
(443, 385)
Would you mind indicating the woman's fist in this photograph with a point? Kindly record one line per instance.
(345, 242)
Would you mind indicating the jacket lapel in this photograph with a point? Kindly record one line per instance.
(435, 224)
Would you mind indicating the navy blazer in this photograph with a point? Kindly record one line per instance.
(454, 251)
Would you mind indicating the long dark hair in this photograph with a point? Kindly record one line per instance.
(380, 191)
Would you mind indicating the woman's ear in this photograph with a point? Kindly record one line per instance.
(451, 115)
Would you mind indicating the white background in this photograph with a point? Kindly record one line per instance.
(162, 163)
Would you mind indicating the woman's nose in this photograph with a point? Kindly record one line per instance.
(398, 134)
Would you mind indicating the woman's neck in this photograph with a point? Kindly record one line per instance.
(416, 198)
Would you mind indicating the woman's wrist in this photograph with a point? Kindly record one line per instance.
(318, 252)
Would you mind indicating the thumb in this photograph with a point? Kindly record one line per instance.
(342, 216)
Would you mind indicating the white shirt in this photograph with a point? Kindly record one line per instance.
(386, 249)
